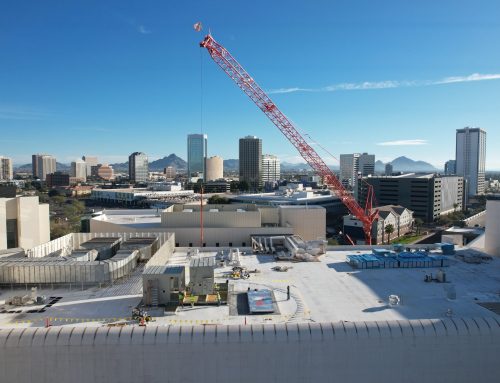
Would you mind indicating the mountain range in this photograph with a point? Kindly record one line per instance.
(157, 165)
(28, 168)
(405, 164)
(400, 164)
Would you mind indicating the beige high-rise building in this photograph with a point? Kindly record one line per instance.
(79, 170)
(214, 168)
(169, 172)
(90, 161)
(6, 168)
(24, 222)
(42, 165)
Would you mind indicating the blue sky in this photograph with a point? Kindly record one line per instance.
(108, 78)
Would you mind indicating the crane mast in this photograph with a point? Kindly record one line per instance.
(247, 84)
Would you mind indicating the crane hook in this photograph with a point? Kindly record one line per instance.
(198, 26)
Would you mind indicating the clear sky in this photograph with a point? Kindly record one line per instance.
(108, 78)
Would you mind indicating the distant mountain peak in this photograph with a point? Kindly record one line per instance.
(405, 164)
(157, 165)
(170, 160)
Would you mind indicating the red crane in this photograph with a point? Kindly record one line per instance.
(240, 76)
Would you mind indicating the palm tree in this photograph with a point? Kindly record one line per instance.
(418, 224)
(389, 229)
(455, 205)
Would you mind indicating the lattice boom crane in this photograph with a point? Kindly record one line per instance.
(239, 75)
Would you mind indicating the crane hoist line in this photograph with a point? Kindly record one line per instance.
(235, 71)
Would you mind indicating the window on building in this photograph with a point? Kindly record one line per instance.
(217, 244)
(230, 244)
(243, 244)
(12, 240)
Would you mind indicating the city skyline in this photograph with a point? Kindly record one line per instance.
(402, 76)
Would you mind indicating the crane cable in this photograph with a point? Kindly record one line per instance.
(203, 148)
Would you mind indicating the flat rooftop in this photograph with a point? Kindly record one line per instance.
(133, 217)
(325, 291)
(282, 198)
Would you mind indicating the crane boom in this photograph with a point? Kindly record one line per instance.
(240, 76)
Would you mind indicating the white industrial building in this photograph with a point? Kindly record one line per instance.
(223, 225)
(24, 222)
(339, 323)
(436, 322)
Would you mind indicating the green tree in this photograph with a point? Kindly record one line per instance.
(53, 193)
(389, 229)
(218, 200)
(244, 186)
(234, 186)
(418, 224)
(58, 199)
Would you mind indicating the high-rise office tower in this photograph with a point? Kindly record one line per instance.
(214, 168)
(366, 164)
(90, 161)
(388, 169)
(349, 165)
(250, 155)
(470, 158)
(138, 167)
(6, 168)
(197, 152)
(42, 165)
(79, 170)
(270, 168)
(450, 167)
(353, 164)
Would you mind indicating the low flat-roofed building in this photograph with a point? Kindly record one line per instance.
(84, 258)
(132, 196)
(57, 179)
(223, 225)
(338, 321)
(295, 194)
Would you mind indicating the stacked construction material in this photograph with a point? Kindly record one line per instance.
(387, 259)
